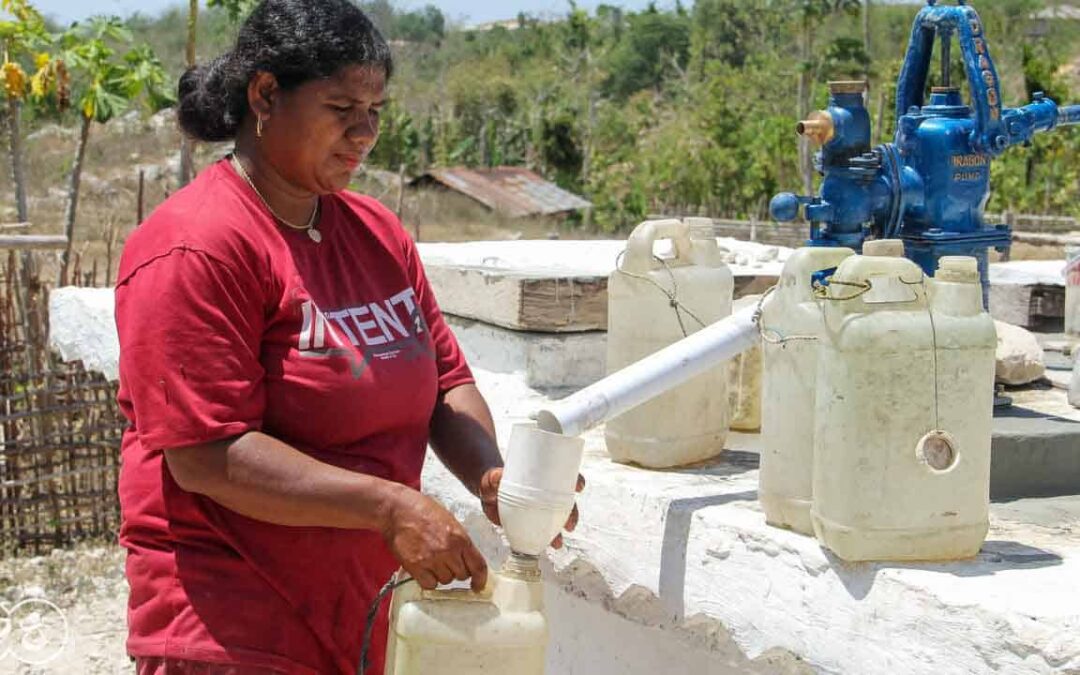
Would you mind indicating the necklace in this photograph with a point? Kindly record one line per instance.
(312, 233)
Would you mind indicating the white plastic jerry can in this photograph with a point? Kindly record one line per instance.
(791, 324)
(652, 303)
(904, 412)
(500, 631)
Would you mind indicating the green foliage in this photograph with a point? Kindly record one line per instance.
(728, 32)
(654, 48)
(105, 82)
(845, 59)
(690, 111)
(26, 28)
(685, 109)
(1040, 74)
(425, 25)
(236, 9)
(400, 141)
(1038, 179)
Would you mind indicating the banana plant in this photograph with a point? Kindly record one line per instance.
(107, 84)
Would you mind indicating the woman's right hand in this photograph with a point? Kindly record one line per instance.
(431, 545)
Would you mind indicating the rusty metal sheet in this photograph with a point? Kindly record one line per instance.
(513, 191)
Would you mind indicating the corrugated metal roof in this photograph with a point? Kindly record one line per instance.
(511, 190)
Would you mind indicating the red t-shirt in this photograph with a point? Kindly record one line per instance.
(230, 323)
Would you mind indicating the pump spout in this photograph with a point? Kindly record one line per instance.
(652, 376)
(820, 128)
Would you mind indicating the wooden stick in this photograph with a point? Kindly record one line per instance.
(140, 199)
(33, 242)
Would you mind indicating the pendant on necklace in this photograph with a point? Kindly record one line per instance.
(315, 235)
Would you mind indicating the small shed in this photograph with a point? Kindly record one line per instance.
(509, 190)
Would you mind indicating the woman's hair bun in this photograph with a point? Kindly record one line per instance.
(212, 100)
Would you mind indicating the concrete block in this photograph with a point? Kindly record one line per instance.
(549, 361)
(1028, 293)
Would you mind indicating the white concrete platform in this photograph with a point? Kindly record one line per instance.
(588, 257)
(559, 286)
(688, 553)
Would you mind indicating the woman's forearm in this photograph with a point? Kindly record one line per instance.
(265, 479)
(262, 478)
(463, 435)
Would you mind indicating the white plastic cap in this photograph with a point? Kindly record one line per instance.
(884, 248)
(958, 268)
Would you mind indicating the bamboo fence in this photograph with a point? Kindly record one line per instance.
(60, 426)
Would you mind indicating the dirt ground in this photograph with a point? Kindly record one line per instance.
(86, 586)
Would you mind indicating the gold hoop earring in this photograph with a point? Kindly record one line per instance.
(258, 126)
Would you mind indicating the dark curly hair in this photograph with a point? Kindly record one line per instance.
(295, 40)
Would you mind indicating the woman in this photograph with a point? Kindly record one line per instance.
(284, 366)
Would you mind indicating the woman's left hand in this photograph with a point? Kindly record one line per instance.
(489, 500)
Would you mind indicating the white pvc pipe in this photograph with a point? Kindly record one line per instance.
(651, 376)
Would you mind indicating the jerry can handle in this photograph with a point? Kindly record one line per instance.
(462, 594)
(639, 247)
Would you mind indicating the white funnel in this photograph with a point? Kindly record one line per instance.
(538, 487)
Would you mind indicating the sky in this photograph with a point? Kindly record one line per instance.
(463, 11)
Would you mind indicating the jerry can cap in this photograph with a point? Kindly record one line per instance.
(963, 269)
(884, 248)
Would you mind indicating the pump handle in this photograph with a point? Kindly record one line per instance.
(935, 21)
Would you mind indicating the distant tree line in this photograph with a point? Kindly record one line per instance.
(685, 110)
(692, 109)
